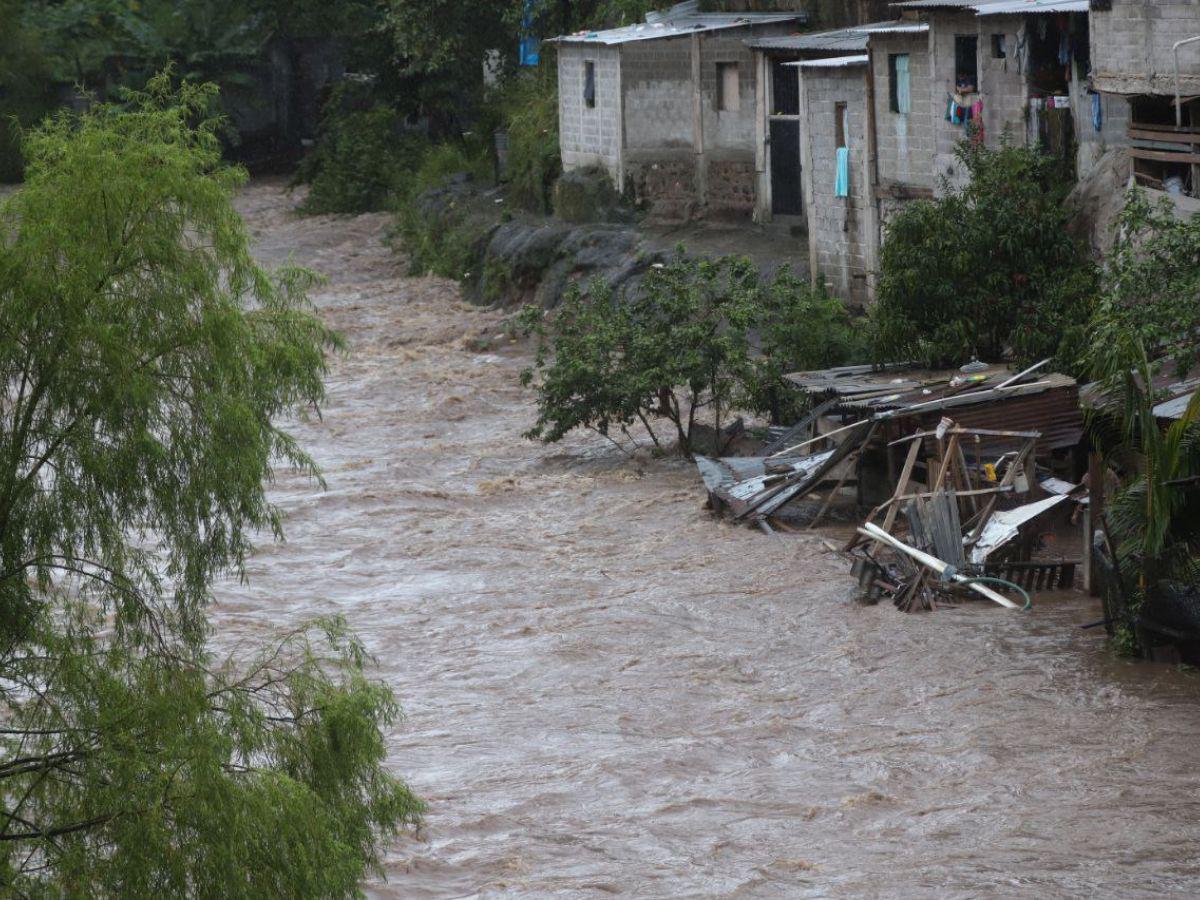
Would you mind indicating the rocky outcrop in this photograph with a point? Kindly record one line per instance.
(537, 262)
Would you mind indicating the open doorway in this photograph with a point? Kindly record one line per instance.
(1166, 155)
(787, 194)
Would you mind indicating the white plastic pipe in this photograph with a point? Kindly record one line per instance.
(874, 531)
(1178, 91)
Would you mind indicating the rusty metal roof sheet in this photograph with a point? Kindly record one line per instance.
(1045, 403)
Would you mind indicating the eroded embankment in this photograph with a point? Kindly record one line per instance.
(610, 693)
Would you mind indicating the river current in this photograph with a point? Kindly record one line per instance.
(609, 693)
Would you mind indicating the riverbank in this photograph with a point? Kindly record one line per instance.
(609, 692)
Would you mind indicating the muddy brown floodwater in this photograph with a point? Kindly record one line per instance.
(609, 693)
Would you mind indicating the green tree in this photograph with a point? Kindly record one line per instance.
(989, 269)
(800, 327)
(676, 350)
(26, 86)
(144, 357)
(1150, 289)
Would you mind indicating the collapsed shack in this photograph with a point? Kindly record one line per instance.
(971, 525)
(859, 413)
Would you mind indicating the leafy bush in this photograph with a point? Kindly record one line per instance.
(26, 93)
(800, 327)
(679, 348)
(675, 349)
(1151, 282)
(988, 270)
(531, 120)
(434, 223)
(362, 159)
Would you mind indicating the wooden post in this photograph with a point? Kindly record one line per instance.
(1095, 513)
(698, 122)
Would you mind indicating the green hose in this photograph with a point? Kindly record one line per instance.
(1008, 584)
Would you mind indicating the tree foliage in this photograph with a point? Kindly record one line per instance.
(799, 327)
(677, 349)
(1150, 290)
(987, 270)
(1147, 320)
(144, 357)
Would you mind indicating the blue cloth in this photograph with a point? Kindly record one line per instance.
(1097, 112)
(530, 50)
(841, 187)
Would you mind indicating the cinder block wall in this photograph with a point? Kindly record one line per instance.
(1003, 86)
(660, 159)
(1131, 46)
(905, 142)
(589, 136)
(944, 27)
(729, 136)
(837, 226)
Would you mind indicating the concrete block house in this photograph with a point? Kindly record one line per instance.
(667, 108)
(1137, 48)
(1015, 70)
(898, 104)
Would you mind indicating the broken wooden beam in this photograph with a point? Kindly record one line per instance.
(941, 567)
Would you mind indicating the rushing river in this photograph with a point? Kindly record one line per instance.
(609, 693)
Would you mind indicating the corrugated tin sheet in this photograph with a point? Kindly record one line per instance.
(837, 62)
(909, 398)
(1001, 7)
(842, 40)
(1017, 7)
(678, 25)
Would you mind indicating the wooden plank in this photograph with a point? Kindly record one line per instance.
(967, 432)
(1164, 156)
(1142, 134)
(1169, 129)
(937, 565)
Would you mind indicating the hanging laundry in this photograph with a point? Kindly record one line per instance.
(1097, 112)
(841, 187)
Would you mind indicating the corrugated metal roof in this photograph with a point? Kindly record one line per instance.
(837, 62)
(844, 40)
(1001, 7)
(1017, 7)
(901, 394)
(678, 24)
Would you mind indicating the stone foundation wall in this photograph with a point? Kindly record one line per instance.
(665, 188)
(731, 189)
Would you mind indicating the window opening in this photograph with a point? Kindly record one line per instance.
(899, 83)
(589, 84)
(966, 63)
(729, 96)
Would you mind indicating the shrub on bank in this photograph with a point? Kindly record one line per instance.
(677, 350)
(531, 123)
(989, 269)
(363, 157)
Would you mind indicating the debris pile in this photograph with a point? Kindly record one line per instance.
(971, 525)
(961, 506)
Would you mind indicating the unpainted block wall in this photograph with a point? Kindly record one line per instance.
(661, 165)
(944, 27)
(1131, 46)
(729, 135)
(838, 227)
(905, 142)
(656, 77)
(589, 136)
(660, 156)
(1003, 86)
